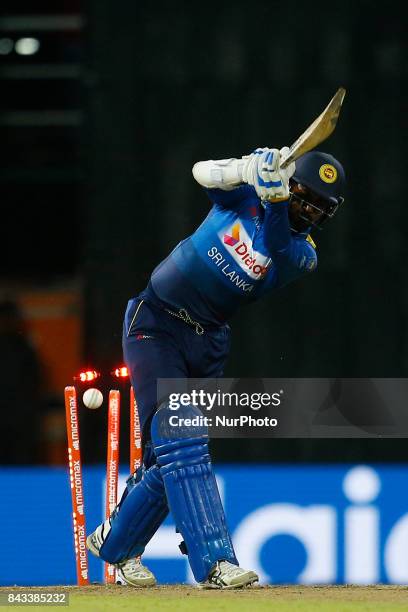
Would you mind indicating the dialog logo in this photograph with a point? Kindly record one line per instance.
(239, 246)
(234, 238)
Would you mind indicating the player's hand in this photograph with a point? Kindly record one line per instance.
(263, 172)
(251, 163)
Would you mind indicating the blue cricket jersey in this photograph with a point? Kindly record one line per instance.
(240, 251)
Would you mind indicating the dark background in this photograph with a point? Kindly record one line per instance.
(99, 132)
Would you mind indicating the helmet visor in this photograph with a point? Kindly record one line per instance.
(308, 209)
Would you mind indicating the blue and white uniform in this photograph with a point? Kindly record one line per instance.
(177, 328)
(241, 251)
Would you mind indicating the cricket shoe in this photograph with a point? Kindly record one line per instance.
(134, 573)
(131, 571)
(95, 540)
(225, 575)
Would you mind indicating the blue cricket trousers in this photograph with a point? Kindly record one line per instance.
(157, 344)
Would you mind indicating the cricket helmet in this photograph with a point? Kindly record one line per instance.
(323, 176)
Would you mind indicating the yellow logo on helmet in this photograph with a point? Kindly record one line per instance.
(328, 173)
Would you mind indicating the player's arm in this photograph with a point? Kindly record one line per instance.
(291, 256)
(224, 174)
(224, 180)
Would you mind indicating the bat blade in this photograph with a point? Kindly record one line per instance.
(318, 131)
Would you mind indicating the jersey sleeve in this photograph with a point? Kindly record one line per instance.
(233, 199)
(293, 256)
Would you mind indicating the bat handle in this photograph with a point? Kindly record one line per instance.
(289, 157)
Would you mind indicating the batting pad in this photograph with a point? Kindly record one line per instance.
(191, 488)
(140, 515)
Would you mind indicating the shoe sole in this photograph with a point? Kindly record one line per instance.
(246, 583)
(145, 583)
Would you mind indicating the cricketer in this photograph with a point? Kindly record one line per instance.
(255, 239)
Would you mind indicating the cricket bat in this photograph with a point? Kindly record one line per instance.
(229, 171)
(318, 131)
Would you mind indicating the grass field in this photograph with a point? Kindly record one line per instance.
(186, 598)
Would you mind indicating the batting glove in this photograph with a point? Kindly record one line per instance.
(251, 163)
(263, 172)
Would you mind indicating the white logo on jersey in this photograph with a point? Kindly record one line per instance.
(239, 245)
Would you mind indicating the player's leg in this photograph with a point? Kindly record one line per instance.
(122, 538)
(149, 354)
(193, 498)
(207, 355)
